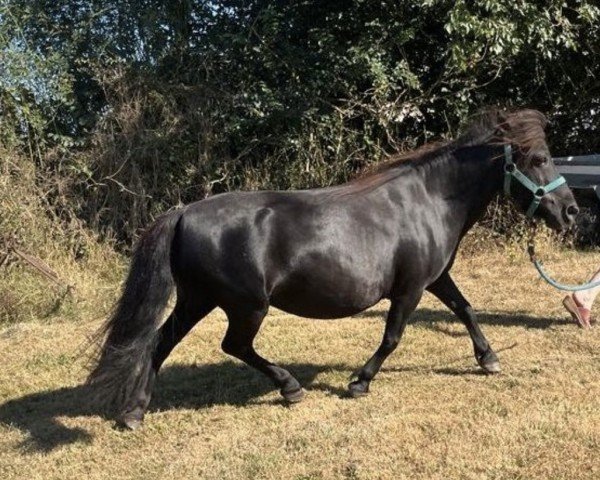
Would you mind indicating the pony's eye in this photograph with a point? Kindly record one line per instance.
(540, 161)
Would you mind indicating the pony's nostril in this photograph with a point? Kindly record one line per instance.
(572, 210)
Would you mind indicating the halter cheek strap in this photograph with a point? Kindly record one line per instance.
(511, 171)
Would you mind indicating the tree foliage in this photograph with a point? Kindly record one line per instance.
(143, 104)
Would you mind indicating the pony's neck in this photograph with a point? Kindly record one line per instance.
(465, 181)
(485, 165)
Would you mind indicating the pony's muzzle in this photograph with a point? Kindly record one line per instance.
(570, 213)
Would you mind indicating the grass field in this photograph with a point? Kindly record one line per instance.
(430, 413)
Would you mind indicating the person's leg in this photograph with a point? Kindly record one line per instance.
(585, 298)
(579, 304)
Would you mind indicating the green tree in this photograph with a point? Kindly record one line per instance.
(152, 103)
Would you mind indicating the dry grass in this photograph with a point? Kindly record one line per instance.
(29, 222)
(431, 414)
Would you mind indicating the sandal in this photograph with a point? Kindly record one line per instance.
(579, 314)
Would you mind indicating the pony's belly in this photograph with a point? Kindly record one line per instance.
(316, 301)
(315, 310)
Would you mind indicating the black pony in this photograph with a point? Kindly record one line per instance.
(321, 253)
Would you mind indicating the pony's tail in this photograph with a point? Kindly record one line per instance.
(128, 338)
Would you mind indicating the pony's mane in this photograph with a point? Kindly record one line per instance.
(524, 129)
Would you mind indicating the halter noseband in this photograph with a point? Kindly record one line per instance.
(511, 171)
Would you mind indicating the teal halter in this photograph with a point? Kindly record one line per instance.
(511, 171)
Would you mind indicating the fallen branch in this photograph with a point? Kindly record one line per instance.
(4, 258)
(39, 265)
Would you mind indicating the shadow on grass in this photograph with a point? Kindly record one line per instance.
(433, 319)
(225, 383)
(178, 386)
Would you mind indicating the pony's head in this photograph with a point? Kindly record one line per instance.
(530, 176)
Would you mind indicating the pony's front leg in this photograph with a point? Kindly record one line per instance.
(446, 290)
(395, 324)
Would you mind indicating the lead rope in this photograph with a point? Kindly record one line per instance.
(538, 266)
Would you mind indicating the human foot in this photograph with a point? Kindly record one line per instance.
(578, 312)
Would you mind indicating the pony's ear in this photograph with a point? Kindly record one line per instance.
(500, 131)
(501, 116)
(502, 124)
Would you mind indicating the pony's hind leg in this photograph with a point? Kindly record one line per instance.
(238, 342)
(185, 315)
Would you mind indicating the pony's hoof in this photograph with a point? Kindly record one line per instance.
(130, 421)
(293, 396)
(491, 368)
(358, 389)
(489, 362)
